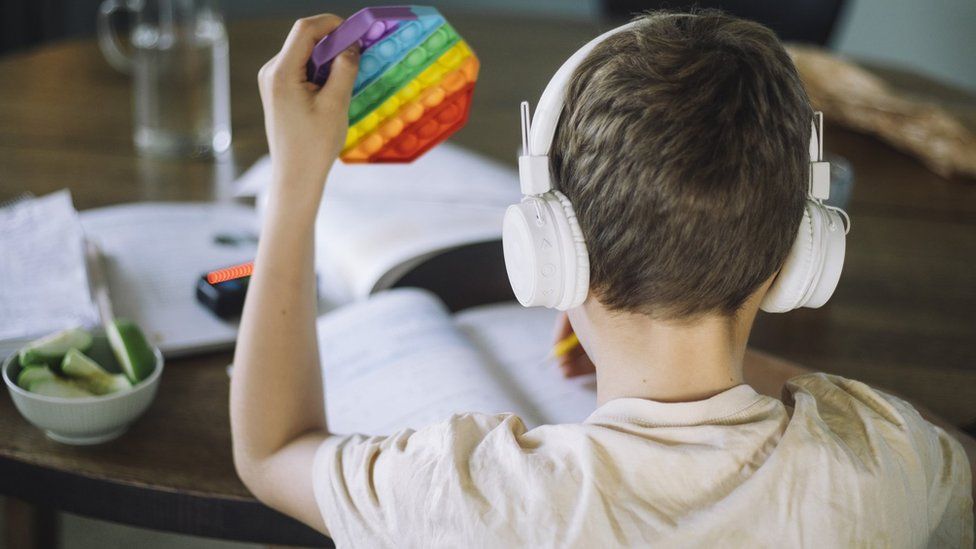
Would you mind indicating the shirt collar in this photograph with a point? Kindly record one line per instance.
(721, 408)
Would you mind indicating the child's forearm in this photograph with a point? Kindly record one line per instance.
(276, 392)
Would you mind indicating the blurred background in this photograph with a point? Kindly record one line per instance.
(934, 38)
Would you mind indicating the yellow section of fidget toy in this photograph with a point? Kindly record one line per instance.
(447, 74)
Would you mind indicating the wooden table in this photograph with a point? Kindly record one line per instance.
(903, 316)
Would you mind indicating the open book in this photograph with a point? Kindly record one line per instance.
(399, 360)
(377, 222)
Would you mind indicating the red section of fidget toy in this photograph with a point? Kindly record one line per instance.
(230, 273)
(433, 127)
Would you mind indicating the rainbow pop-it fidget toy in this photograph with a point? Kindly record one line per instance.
(413, 90)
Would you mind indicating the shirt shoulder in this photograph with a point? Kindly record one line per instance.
(887, 441)
(858, 414)
(379, 490)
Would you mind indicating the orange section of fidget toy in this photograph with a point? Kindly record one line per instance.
(438, 111)
(436, 125)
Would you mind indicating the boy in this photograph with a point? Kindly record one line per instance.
(683, 148)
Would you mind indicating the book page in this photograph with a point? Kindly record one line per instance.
(398, 360)
(371, 245)
(517, 340)
(44, 283)
(154, 252)
(377, 221)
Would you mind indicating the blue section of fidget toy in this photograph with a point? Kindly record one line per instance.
(391, 50)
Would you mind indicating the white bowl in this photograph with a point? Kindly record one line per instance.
(82, 421)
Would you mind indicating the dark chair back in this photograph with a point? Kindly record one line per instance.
(810, 21)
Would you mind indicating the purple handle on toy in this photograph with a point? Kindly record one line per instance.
(366, 26)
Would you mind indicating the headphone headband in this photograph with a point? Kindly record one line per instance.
(539, 130)
(550, 104)
(537, 134)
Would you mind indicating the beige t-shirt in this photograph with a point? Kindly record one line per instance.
(841, 465)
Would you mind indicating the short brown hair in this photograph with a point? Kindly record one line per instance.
(683, 148)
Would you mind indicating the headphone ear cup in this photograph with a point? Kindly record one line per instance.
(545, 255)
(577, 280)
(812, 269)
(834, 237)
(519, 234)
(787, 290)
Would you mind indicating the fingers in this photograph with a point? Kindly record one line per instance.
(304, 34)
(342, 75)
(562, 329)
(576, 363)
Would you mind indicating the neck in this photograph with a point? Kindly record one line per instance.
(668, 361)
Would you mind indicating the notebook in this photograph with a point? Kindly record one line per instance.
(432, 364)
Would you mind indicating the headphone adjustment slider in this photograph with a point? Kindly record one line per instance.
(820, 180)
(534, 175)
(533, 169)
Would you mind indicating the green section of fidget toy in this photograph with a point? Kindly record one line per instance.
(398, 75)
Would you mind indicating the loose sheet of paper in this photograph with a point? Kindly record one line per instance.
(44, 283)
(398, 361)
(516, 340)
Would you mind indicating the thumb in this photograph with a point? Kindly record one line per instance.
(342, 75)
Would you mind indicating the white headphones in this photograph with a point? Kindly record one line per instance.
(545, 253)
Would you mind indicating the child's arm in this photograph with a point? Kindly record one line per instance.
(276, 404)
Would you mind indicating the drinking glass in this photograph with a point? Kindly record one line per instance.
(178, 60)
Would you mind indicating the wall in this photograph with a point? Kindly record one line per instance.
(935, 37)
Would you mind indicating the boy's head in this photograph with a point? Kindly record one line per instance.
(683, 147)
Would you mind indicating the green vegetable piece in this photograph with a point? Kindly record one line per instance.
(103, 355)
(90, 376)
(50, 350)
(55, 387)
(131, 348)
(33, 374)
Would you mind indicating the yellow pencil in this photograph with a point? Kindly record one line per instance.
(564, 346)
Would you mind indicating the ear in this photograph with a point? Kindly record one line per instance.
(756, 298)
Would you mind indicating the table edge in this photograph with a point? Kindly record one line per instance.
(237, 519)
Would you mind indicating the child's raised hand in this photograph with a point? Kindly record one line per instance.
(306, 125)
(575, 362)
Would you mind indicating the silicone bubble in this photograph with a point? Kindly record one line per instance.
(415, 82)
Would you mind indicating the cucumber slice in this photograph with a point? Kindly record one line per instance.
(90, 376)
(51, 349)
(32, 374)
(135, 355)
(55, 387)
